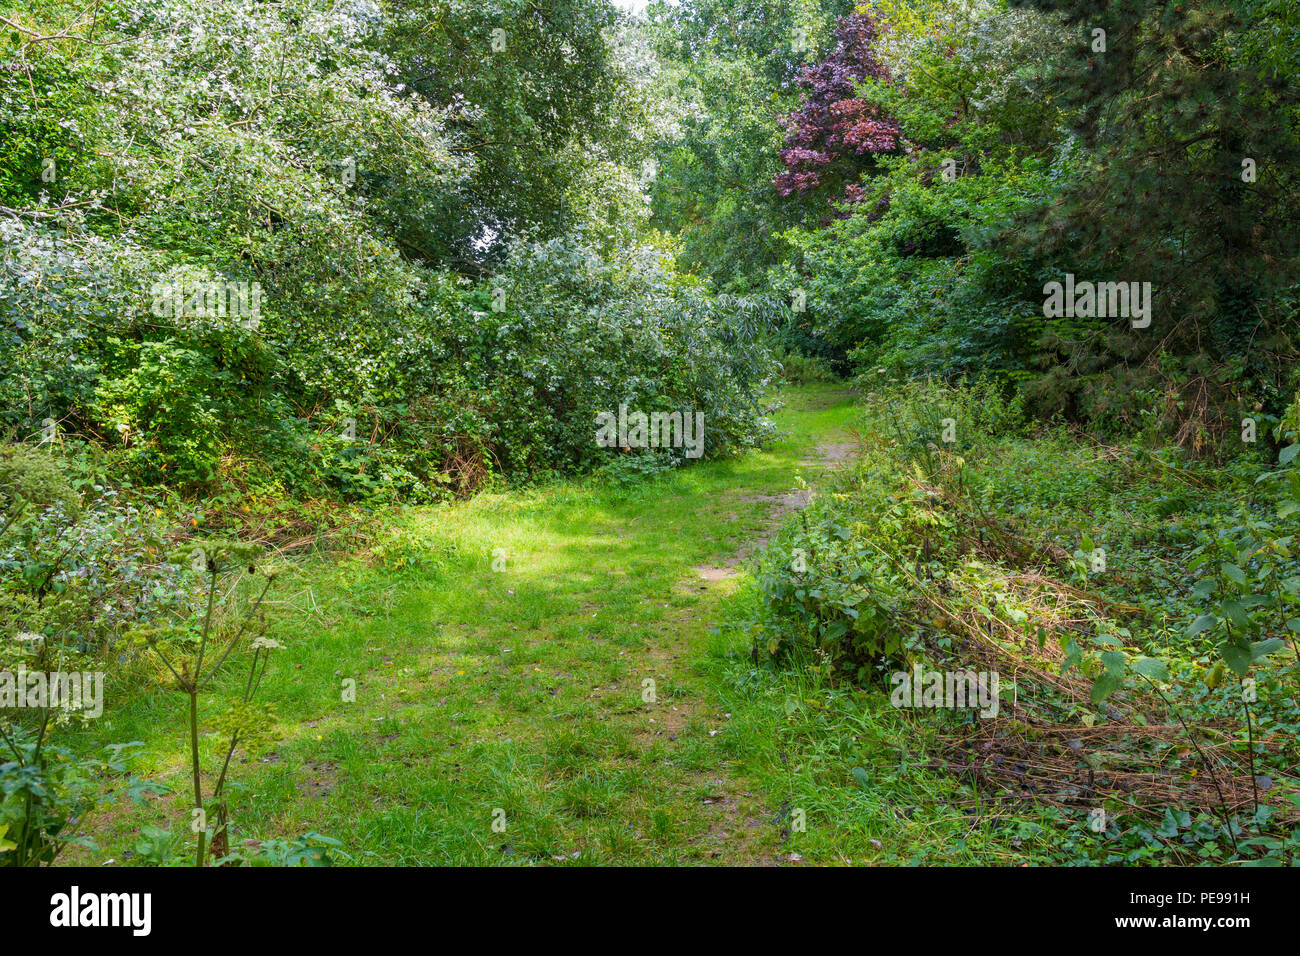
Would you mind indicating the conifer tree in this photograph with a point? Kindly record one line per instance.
(1186, 178)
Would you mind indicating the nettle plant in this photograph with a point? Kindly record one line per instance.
(1105, 660)
(842, 601)
(232, 624)
(78, 559)
(48, 791)
(1251, 579)
(52, 612)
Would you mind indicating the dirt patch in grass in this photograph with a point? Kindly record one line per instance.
(717, 574)
(830, 454)
(322, 778)
(833, 453)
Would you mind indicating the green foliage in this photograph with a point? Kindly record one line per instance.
(940, 265)
(539, 96)
(724, 74)
(1186, 117)
(310, 849)
(835, 601)
(1180, 580)
(76, 573)
(805, 369)
(838, 582)
(185, 401)
(579, 335)
(1249, 582)
(713, 171)
(907, 277)
(46, 792)
(358, 197)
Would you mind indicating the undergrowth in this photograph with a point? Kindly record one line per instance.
(1134, 608)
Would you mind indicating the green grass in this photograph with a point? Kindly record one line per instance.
(518, 694)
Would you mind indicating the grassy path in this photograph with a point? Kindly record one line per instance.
(543, 677)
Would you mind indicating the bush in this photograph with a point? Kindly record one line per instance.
(77, 573)
(804, 369)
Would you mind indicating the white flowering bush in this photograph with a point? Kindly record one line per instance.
(305, 150)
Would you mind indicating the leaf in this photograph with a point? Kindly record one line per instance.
(1202, 623)
(1233, 572)
(1152, 667)
(139, 788)
(1264, 648)
(1236, 657)
(861, 776)
(1114, 662)
(1105, 685)
(1169, 825)
(1285, 456)
(1236, 613)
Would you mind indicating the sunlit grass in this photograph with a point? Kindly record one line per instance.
(516, 695)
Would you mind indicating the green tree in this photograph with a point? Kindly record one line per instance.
(1185, 111)
(538, 96)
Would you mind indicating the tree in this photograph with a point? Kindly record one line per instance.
(535, 94)
(833, 135)
(1186, 118)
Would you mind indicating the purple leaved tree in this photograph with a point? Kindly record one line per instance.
(831, 138)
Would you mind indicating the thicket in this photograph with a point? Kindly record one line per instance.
(1139, 605)
(434, 306)
(936, 165)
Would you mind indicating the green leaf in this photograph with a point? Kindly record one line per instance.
(1236, 657)
(1264, 648)
(1236, 613)
(1152, 667)
(1114, 662)
(1287, 454)
(1169, 825)
(1232, 571)
(1202, 623)
(1105, 685)
(861, 776)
